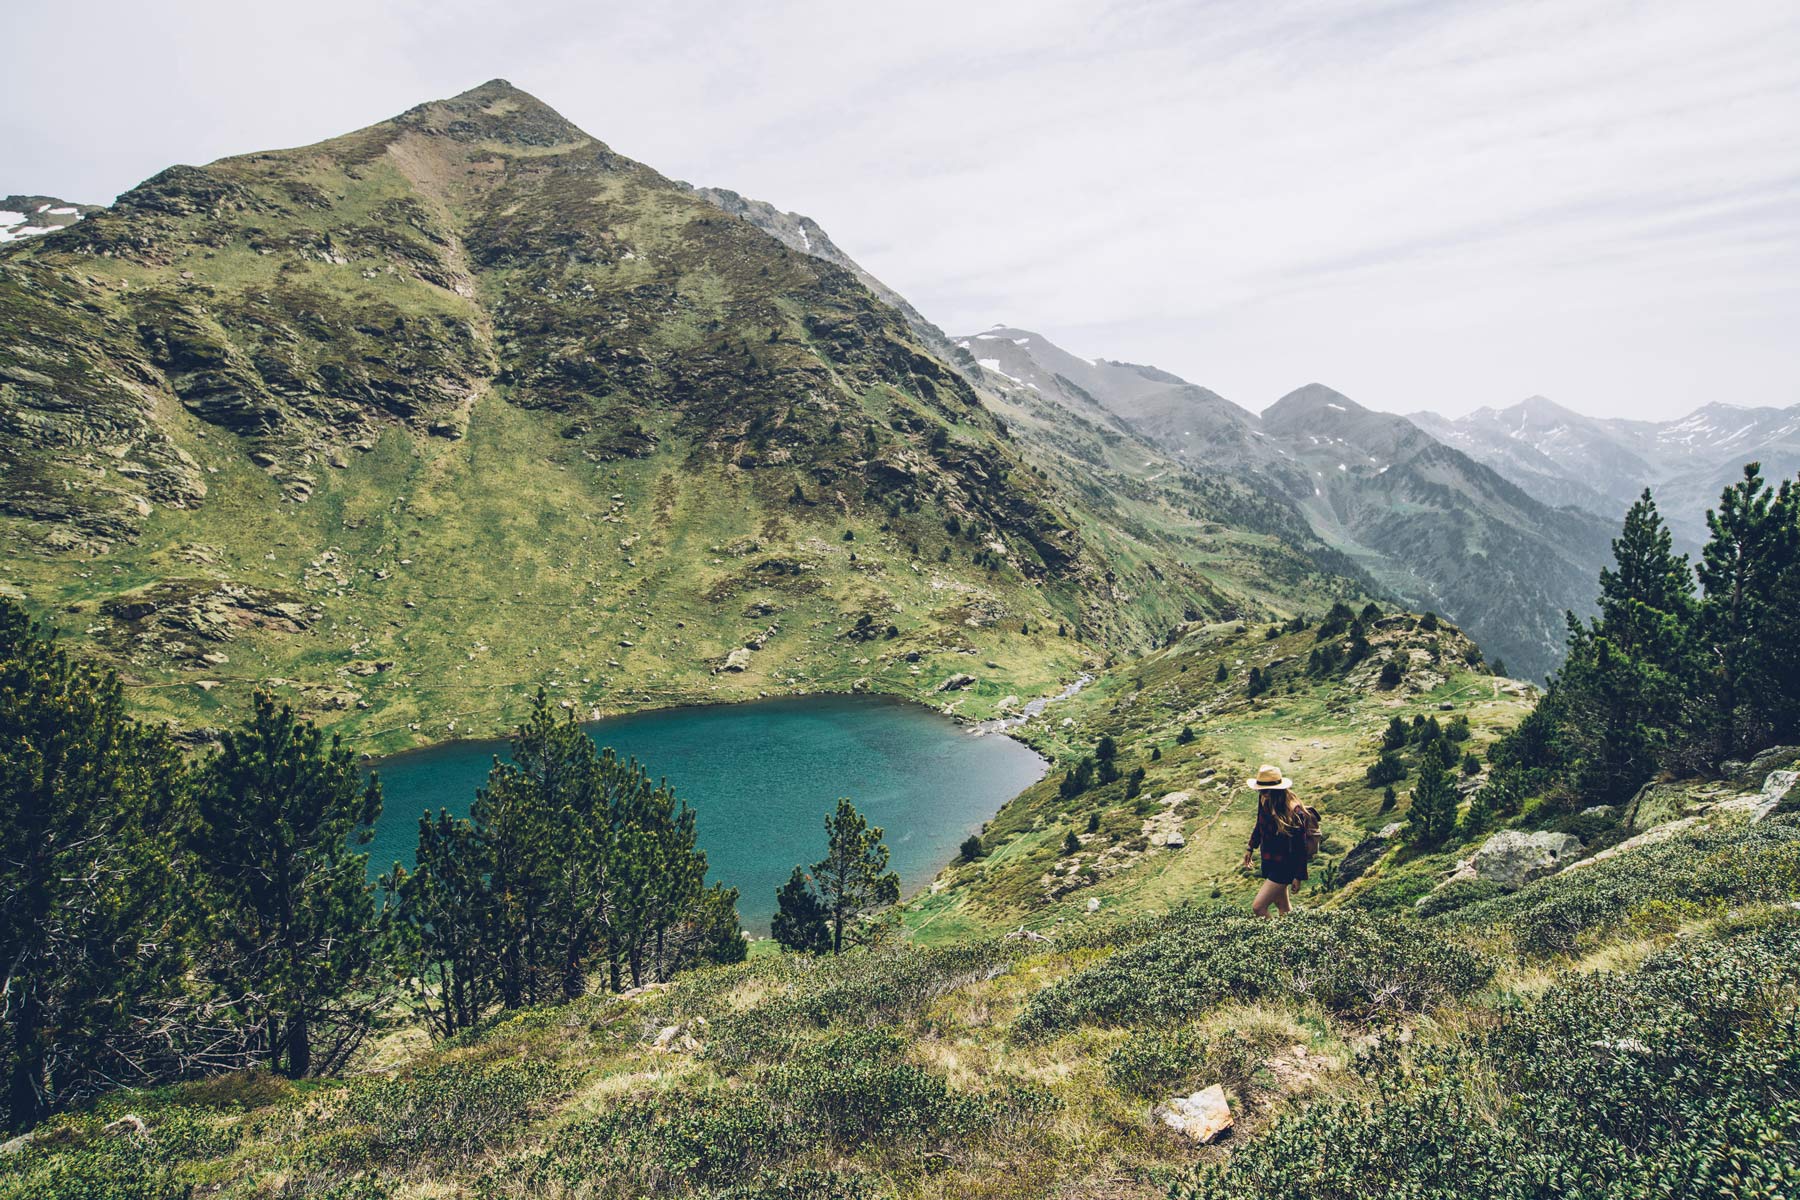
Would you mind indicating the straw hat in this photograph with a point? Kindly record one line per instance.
(1269, 778)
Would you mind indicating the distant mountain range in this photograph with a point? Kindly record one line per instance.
(1602, 464)
(1432, 525)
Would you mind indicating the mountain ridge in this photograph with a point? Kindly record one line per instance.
(412, 420)
(1444, 531)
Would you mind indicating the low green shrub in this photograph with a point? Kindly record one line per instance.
(849, 1093)
(1453, 896)
(1704, 870)
(73, 1159)
(1678, 1080)
(1153, 1062)
(810, 994)
(1350, 962)
(451, 1113)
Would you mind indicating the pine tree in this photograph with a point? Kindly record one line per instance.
(1384, 770)
(1647, 596)
(1390, 676)
(299, 935)
(1079, 779)
(443, 911)
(1396, 735)
(801, 921)
(708, 932)
(1738, 569)
(1432, 815)
(853, 877)
(95, 887)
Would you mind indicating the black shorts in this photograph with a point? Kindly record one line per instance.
(1283, 871)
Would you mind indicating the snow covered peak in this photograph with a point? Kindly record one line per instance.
(33, 216)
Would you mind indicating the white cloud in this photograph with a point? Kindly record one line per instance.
(1440, 205)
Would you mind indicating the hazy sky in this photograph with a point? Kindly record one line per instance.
(1424, 203)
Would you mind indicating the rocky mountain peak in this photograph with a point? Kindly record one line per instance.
(1313, 402)
(495, 112)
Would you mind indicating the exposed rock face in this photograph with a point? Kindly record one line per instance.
(956, 682)
(1200, 1117)
(1512, 858)
(1360, 858)
(1649, 837)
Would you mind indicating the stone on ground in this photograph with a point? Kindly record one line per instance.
(1200, 1117)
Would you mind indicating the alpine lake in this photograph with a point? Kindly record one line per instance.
(761, 777)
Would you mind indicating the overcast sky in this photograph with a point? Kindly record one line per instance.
(1425, 204)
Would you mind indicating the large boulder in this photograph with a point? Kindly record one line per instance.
(1201, 1117)
(1361, 857)
(1512, 858)
(1659, 803)
(956, 682)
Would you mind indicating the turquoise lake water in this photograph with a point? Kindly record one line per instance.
(762, 777)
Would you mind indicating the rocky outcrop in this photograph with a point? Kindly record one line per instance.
(956, 682)
(1512, 858)
(1201, 1117)
(737, 660)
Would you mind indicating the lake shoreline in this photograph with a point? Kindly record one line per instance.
(761, 772)
(976, 727)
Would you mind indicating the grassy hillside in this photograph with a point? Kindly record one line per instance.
(1652, 1050)
(1323, 730)
(407, 423)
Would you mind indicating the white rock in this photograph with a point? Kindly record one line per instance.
(1093, 904)
(1512, 858)
(1201, 1117)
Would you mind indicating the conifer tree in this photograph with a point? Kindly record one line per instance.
(1647, 595)
(1434, 798)
(853, 877)
(800, 921)
(444, 911)
(299, 937)
(1741, 569)
(95, 916)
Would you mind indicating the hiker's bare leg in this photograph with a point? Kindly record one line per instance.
(1284, 890)
(1269, 893)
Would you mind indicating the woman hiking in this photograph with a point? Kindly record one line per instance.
(1287, 832)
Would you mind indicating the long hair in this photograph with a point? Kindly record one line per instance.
(1280, 804)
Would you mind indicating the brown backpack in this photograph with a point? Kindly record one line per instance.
(1310, 834)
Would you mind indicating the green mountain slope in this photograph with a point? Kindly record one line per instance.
(1629, 1017)
(409, 421)
(1421, 520)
